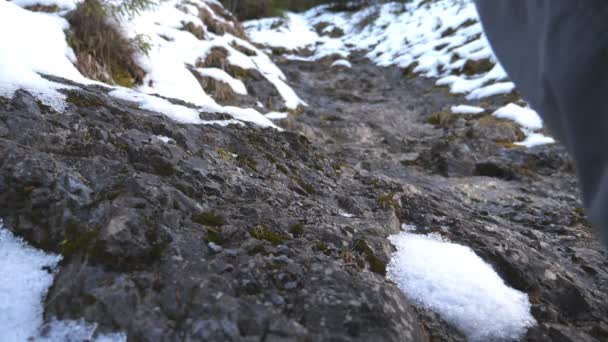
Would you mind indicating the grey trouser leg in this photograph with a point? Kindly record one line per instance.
(556, 52)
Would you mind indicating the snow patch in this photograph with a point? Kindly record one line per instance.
(526, 117)
(276, 115)
(465, 109)
(342, 63)
(536, 139)
(33, 44)
(491, 90)
(164, 139)
(220, 75)
(26, 274)
(61, 4)
(167, 63)
(453, 281)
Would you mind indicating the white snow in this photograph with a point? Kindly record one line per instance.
(292, 32)
(61, 4)
(526, 117)
(23, 286)
(465, 109)
(342, 63)
(536, 139)
(164, 139)
(464, 290)
(276, 115)
(26, 274)
(166, 63)
(34, 43)
(491, 90)
(345, 214)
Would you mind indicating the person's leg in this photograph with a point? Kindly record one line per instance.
(556, 52)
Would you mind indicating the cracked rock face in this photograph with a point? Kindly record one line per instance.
(221, 233)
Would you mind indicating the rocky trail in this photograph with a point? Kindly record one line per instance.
(461, 176)
(206, 223)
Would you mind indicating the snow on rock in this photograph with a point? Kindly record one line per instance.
(276, 115)
(342, 63)
(26, 274)
(465, 109)
(536, 139)
(291, 32)
(220, 75)
(453, 281)
(491, 90)
(526, 117)
(168, 63)
(33, 44)
(23, 285)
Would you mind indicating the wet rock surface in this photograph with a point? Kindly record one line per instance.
(245, 234)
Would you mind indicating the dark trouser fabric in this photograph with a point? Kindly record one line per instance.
(556, 52)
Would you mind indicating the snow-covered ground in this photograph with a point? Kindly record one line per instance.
(172, 49)
(453, 281)
(442, 39)
(25, 277)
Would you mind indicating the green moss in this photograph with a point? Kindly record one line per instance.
(376, 265)
(258, 249)
(321, 246)
(297, 230)
(226, 155)
(387, 201)
(78, 240)
(282, 169)
(261, 232)
(247, 161)
(307, 187)
(214, 234)
(209, 219)
(121, 75)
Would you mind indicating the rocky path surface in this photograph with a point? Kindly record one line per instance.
(174, 232)
(463, 177)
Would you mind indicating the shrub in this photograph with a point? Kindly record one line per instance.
(103, 52)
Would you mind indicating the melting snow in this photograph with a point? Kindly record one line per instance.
(276, 115)
(33, 44)
(453, 281)
(464, 109)
(536, 139)
(526, 117)
(342, 62)
(26, 274)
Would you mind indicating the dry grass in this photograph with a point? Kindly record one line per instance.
(219, 27)
(43, 8)
(219, 90)
(218, 58)
(103, 52)
(196, 30)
